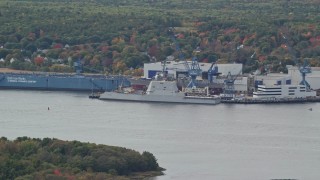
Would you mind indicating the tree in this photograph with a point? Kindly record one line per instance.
(53, 53)
(119, 67)
(31, 47)
(4, 53)
(150, 160)
(38, 60)
(167, 50)
(10, 45)
(26, 158)
(212, 58)
(16, 65)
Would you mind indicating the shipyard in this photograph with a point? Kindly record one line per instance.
(223, 83)
(249, 89)
(160, 89)
(182, 80)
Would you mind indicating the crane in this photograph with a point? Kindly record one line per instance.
(304, 69)
(193, 72)
(181, 56)
(194, 69)
(78, 66)
(229, 90)
(212, 71)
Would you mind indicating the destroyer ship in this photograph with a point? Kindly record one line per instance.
(164, 91)
(57, 81)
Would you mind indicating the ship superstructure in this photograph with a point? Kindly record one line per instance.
(166, 92)
(161, 91)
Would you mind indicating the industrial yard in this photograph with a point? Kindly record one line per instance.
(300, 84)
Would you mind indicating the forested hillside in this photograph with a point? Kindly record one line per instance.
(118, 36)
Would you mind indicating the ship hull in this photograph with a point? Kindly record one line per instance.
(66, 82)
(160, 98)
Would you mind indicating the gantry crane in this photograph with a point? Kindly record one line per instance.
(304, 69)
(229, 90)
(212, 71)
(193, 72)
(193, 69)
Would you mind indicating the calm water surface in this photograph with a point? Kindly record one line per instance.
(222, 142)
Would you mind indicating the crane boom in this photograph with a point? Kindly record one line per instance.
(290, 50)
(177, 47)
(304, 69)
(194, 69)
(212, 71)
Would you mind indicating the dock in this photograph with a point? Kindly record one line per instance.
(250, 100)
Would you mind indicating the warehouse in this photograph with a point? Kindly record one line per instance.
(293, 77)
(174, 68)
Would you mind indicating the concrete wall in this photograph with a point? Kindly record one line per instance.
(273, 78)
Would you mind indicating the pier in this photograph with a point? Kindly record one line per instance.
(250, 100)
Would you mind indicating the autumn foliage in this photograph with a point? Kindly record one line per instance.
(39, 60)
(26, 158)
(116, 36)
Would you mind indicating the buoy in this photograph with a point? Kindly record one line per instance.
(48, 108)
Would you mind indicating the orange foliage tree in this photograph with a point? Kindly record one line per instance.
(38, 60)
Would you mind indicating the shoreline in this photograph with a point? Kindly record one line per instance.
(273, 101)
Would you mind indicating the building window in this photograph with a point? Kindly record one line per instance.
(269, 88)
(272, 91)
(266, 94)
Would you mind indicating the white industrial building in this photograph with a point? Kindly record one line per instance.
(241, 84)
(283, 91)
(312, 78)
(172, 67)
(273, 79)
(175, 67)
(293, 77)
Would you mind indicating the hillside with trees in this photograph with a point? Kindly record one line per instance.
(118, 36)
(27, 159)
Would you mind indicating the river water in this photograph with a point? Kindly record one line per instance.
(222, 142)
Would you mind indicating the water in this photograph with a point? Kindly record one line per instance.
(222, 142)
